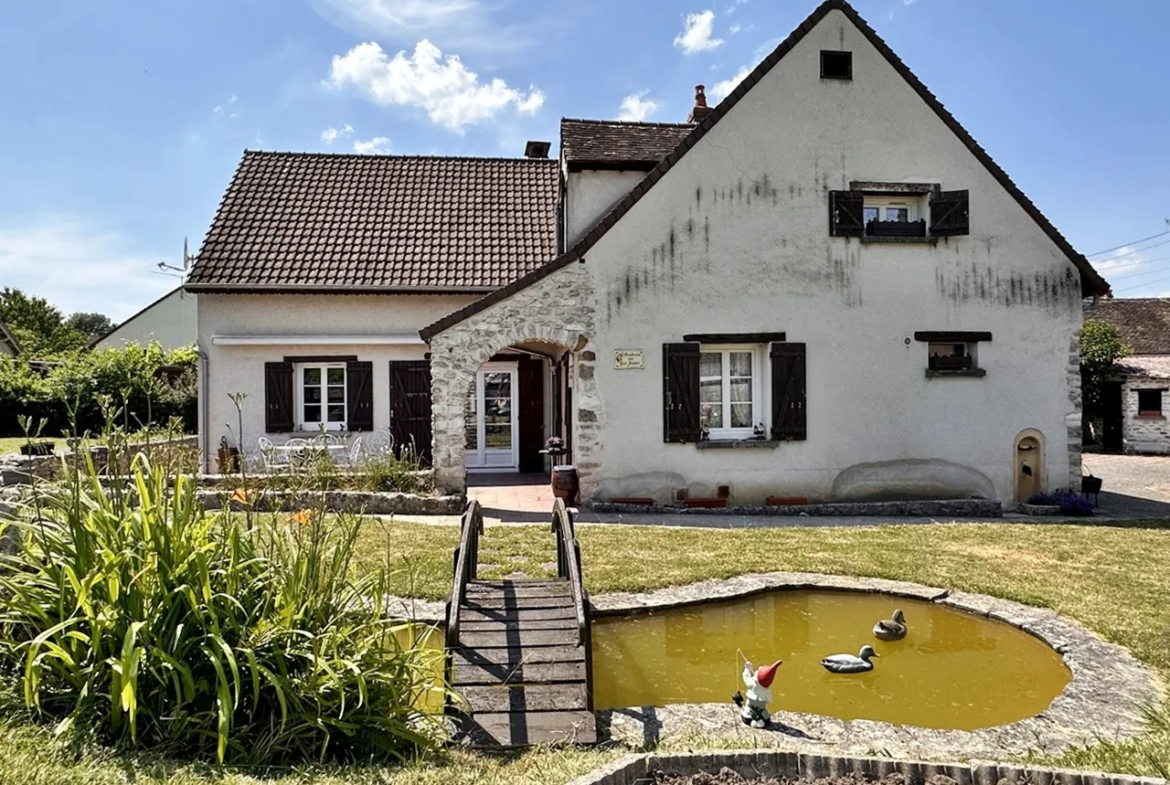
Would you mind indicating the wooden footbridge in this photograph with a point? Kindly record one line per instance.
(518, 651)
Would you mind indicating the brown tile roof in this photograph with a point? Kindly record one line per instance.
(1149, 366)
(1091, 281)
(309, 222)
(587, 144)
(1144, 323)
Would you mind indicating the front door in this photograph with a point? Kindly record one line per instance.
(490, 424)
(410, 407)
(1113, 435)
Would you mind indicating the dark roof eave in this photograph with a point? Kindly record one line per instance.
(583, 164)
(1092, 284)
(244, 288)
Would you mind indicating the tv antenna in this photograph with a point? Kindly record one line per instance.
(165, 268)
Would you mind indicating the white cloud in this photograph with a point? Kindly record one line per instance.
(721, 90)
(331, 134)
(463, 25)
(451, 95)
(734, 29)
(697, 31)
(224, 109)
(379, 145)
(78, 266)
(637, 107)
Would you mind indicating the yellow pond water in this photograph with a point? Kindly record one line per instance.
(953, 670)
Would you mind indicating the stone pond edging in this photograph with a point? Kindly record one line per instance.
(791, 765)
(359, 502)
(1104, 700)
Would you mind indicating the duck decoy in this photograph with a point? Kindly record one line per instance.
(847, 663)
(891, 629)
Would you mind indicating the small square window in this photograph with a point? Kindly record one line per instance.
(951, 357)
(836, 65)
(893, 216)
(1149, 403)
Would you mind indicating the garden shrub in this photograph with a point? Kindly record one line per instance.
(133, 611)
(152, 385)
(1075, 504)
(1044, 499)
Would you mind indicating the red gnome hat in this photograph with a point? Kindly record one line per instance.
(766, 673)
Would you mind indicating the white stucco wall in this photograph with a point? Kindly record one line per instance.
(1147, 435)
(590, 194)
(233, 369)
(171, 322)
(735, 239)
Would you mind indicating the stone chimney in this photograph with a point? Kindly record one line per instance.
(700, 110)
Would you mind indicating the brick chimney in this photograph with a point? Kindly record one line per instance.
(700, 110)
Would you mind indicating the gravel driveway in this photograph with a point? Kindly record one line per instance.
(1136, 486)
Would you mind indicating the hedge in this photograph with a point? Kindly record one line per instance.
(150, 386)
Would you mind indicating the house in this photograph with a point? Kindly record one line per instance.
(1132, 407)
(8, 344)
(170, 321)
(822, 287)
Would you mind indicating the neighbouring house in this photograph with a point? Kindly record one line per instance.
(171, 321)
(821, 288)
(1132, 414)
(9, 347)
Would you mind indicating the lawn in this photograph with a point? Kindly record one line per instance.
(1115, 580)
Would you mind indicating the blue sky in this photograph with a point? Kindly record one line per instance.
(123, 120)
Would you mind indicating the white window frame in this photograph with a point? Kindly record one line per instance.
(299, 396)
(757, 353)
(882, 204)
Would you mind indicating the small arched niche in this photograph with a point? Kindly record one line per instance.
(1028, 464)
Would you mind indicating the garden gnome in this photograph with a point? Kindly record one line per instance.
(758, 682)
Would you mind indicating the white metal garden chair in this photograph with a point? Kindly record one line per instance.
(379, 443)
(354, 456)
(273, 459)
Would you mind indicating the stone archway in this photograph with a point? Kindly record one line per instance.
(556, 310)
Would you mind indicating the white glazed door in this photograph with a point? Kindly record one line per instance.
(492, 430)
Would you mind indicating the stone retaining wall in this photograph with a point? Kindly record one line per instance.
(358, 502)
(791, 765)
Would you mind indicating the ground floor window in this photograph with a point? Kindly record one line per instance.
(1149, 403)
(321, 390)
(729, 391)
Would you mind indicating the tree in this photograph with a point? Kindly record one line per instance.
(38, 326)
(93, 325)
(1101, 348)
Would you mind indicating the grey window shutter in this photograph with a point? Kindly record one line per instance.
(359, 383)
(278, 397)
(950, 214)
(680, 392)
(789, 416)
(846, 213)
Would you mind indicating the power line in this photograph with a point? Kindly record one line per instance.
(1147, 283)
(1133, 242)
(1144, 273)
(1136, 250)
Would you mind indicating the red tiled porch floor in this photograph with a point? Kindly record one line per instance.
(517, 498)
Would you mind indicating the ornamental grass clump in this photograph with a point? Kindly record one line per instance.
(130, 611)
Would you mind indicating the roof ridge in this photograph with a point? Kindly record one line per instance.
(395, 156)
(1089, 276)
(626, 122)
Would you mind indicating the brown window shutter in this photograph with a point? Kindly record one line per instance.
(410, 406)
(680, 392)
(950, 214)
(846, 213)
(278, 397)
(789, 418)
(359, 404)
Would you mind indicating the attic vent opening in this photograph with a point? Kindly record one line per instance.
(535, 149)
(836, 65)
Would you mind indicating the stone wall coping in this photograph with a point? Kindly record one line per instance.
(357, 502)
(790, 765)
(1104, 699)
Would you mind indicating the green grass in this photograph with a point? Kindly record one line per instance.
(11, 444)
(1115, 580)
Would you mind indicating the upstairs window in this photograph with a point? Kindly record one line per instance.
(1149, 403)
(906, 211)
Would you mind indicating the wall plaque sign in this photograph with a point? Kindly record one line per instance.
(628, 360)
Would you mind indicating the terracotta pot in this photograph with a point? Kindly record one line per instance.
(229, 460)
(565, 483)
